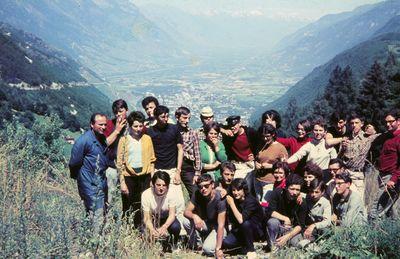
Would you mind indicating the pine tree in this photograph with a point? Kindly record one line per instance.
(291, 116)
(372, 101)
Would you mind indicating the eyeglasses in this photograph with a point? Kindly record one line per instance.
(206, 186)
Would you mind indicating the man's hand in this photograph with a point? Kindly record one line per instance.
(222, 191)
(219, 254)
(390, 185)
(124, 188)
(195, 179)
(229, 132)
(258, 165)
(120, 124)
(334, 219)
(282, 240)
(250, 157)
(162, 231)
(308, 232)
(177, 178)
(299, 200)
(155, 233)
(198, 223)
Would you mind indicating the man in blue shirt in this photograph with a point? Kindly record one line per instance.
(88, 164)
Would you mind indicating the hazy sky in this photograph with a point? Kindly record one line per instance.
(289, 9)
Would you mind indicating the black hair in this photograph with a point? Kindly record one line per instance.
(149, 99)
(135, 116)
(283, 165)
(204, 178)
(306, 125)
(316, 183)
(119, 104)
(274, 115)
(240, 184)
(313, 169)
(336, 117)
(212, 125)
(337, 161)
(228, 165)
(345, 176)
(162, 175)
(181, 111)
(267, 128)
(395, 113)
(354, 116)
(294, 179)
(160, 110)
(93, 117)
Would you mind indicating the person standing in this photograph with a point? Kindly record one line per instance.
(88, 164)
(149, 104)
(135, 164)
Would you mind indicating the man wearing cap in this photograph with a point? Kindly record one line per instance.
(207, 116)
(240, 145)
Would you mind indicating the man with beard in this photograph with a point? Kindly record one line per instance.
(286, 215)
(88, 164)
(191, 164)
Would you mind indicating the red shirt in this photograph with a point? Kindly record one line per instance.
(294, 144)
(110, 128)
(389, 157)
(241, 148)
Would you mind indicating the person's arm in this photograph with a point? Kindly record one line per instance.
(234, 209)
(285, 238)
(302, 152)
(333, 141)
(189, 213)
(148, 223)
(197, 157)
(221, 153)
(120, 124)
(152, 156)
(121, 165)
(163, 230)
(77, 155)
(177, 179)
(220, 231)
(281, 217)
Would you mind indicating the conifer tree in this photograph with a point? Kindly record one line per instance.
(372, 100)
(291, 116)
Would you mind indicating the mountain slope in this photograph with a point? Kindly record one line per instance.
(321, 41)
(107, 36)
(36, 78)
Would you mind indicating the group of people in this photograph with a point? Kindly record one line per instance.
(244, 185)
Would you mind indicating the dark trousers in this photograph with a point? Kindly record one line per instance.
(131, 202)
(243, 236)
(187, 176)
(174, 230)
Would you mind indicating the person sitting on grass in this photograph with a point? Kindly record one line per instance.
(246, 216)
(347, 206)
(319, 211)
(159, 206)
(286, 217)
(207, 213)
(311, 172)
(280, 171)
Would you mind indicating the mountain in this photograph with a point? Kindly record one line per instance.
(321, 41)
(221, 32)
(35, 78)
(107, 36)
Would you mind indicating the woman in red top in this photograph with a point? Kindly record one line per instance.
(295, 143)
(280, 171)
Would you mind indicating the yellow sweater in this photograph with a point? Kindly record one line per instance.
(148, 157)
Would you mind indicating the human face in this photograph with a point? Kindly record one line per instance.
(162, 119)
(391, 123)
(150, 109)
(341, 186)
(207, 120)
(227, 176)
(293, 191)
(205, 188)
(316, 194)
(340, 124)
(301, 132)
(308, 178)
(335, 169)
(319, 132)
(212, 134)
(160, 187)
(268, 138)
(235, 129)
(279, 174)
(238, 194)
(100, 124)
(356, 124)
(137, 128)
(183, 120)
(121, 113)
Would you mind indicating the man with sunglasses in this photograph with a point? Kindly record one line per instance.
(347, 206)
(389, 168)
(207, 212)
(240, 145)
